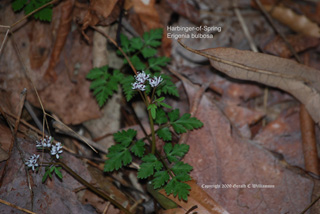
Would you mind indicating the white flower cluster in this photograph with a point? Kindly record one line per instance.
(141, 79)
(32, 162)
(56, 150)
(46, 143)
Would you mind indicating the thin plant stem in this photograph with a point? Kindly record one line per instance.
(153, 136)
(153, 92)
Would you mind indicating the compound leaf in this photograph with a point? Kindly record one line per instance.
(138, 148)
(152, 37)
(164, 134)
(118, 156)
(156, 62)
(126, 83)
(125, 137)
(178, 151)
(160, 178)
(149, 165)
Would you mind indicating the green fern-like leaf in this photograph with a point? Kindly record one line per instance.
(119, 155)
(125, 137)
(161, 117)
(152, 37)
(178, 188)
(165, 134)
(44, 14)
(160, 179)
(167, 87)
(103, 83)
(138, 148)
(149, 165)
(126, 83)
(155, 63)
(178, 151)
(17, 5)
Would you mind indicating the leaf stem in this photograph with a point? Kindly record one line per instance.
(153, 136)
(153, 92)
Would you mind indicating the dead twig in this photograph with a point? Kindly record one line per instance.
(16, 207)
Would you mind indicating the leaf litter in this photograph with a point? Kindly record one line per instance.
(229, 158)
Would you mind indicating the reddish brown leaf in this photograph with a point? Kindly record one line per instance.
(184, 8)
(283, 136)
(63, 31)
(230, 165)
(101, 12)
(40, 48)
(300, 43)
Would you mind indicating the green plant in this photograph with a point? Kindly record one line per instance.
(165, 170)
(29, 6)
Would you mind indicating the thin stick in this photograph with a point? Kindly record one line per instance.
(22, 99)
(4, 40)
(15, 206)
(244, 28)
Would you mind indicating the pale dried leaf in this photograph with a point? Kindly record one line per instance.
(299, 80)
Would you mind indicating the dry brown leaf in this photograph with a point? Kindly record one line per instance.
(298, 23)
(198, 197)
(184, 8)
(299, 43)
(5, 141)
(102, 12)
(63, 31)
(219, 156)
(299, 80)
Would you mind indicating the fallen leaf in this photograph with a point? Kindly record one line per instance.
(299, 80)
(231, 169)
(299, 43)
(284, 137)
(101, 12)
(185, 9)
(61, 38)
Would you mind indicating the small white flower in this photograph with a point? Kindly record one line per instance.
(155, 81)
(44, 143)
(141, 77)
(33, 161)
(138, 86)
(56, 150)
